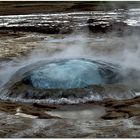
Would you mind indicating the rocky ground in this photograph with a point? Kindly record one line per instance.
(17, 44)
(119, 118)
(99, 119)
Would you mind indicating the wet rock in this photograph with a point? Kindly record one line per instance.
(118, 104)
(44, 106)
(136, 120)
(122, 109)
(11, 34)
(115, 115)
(65, 23)
(132, 111)
(98, 25)
(123, 103)
(120, 28)
(24, 109)
(104, 25)
(34, 113)
(93, 93)
(18, 127)
(10, 124)
(136, 99)
(53, 28)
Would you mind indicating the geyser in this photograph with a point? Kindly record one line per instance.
(75, 73)
(67, 74)
(66, 81)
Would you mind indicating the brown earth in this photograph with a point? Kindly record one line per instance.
(121, 120)
(20, 7)
(17, 44)
(37, 110)
(122, 109)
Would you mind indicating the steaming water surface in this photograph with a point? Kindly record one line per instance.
(69, 74)
(84, 112)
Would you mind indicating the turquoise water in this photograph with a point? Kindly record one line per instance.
(68, 74)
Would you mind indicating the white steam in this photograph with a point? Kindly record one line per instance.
(124, 51)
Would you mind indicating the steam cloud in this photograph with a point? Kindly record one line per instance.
(124, 50)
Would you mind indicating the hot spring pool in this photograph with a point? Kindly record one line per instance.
(68, 74)
(67, 81)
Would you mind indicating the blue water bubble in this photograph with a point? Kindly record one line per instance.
(68, 74)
